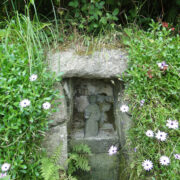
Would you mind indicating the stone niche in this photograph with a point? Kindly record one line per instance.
(93, 124)
(89, 112)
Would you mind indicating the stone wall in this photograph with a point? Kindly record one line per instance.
(57, 134)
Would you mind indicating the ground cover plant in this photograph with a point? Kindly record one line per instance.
(26, 97)
(26, 87)
(153, 90)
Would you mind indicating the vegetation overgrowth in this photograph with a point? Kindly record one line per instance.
(140, 12)
(77, 161)
(26, 95)
(153, 90)
(26, 85)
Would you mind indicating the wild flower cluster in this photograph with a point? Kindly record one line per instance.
(161, 136)
(27, 95)
(26, 102)
(169, 26)
(153, 87)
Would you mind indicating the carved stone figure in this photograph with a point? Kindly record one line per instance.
(104, 108)
(92, 118)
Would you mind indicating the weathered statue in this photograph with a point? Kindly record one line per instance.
(104, 108)
(92, 118)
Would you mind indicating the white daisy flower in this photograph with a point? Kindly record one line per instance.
(124, 108)
(5, 167)
(25, 103)
(112, 150)
(147, 165)
(172, 124)
(177, 156)
(46, 105)
(33, 77)
(164, 160)
(149, 133)
(161, 136)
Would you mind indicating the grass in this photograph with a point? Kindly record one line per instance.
(84, 44)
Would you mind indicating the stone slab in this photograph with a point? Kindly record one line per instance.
(98, 144)
(61, 115)
(103, 167)
(123, 120)
(56, 136)
(101, 64)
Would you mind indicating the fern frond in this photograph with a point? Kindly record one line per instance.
(49, 167)
(57, 153)
(82, 148)
(82, 163)
(71, 178)
(78, 158)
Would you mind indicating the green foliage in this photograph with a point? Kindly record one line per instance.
(50, 169)
(140, 12)
(160, 88)
(49, 165)
(78, 159)
(91, 16)
(22, 129)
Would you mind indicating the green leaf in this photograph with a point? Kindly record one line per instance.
(128, 31)
(102, 3)
(73, 4)
(95, 25)
(32, 2)
(115, 12)
(103, 20)
(43, 25)
(3, 33)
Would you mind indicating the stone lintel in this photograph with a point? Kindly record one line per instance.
(101, 64)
